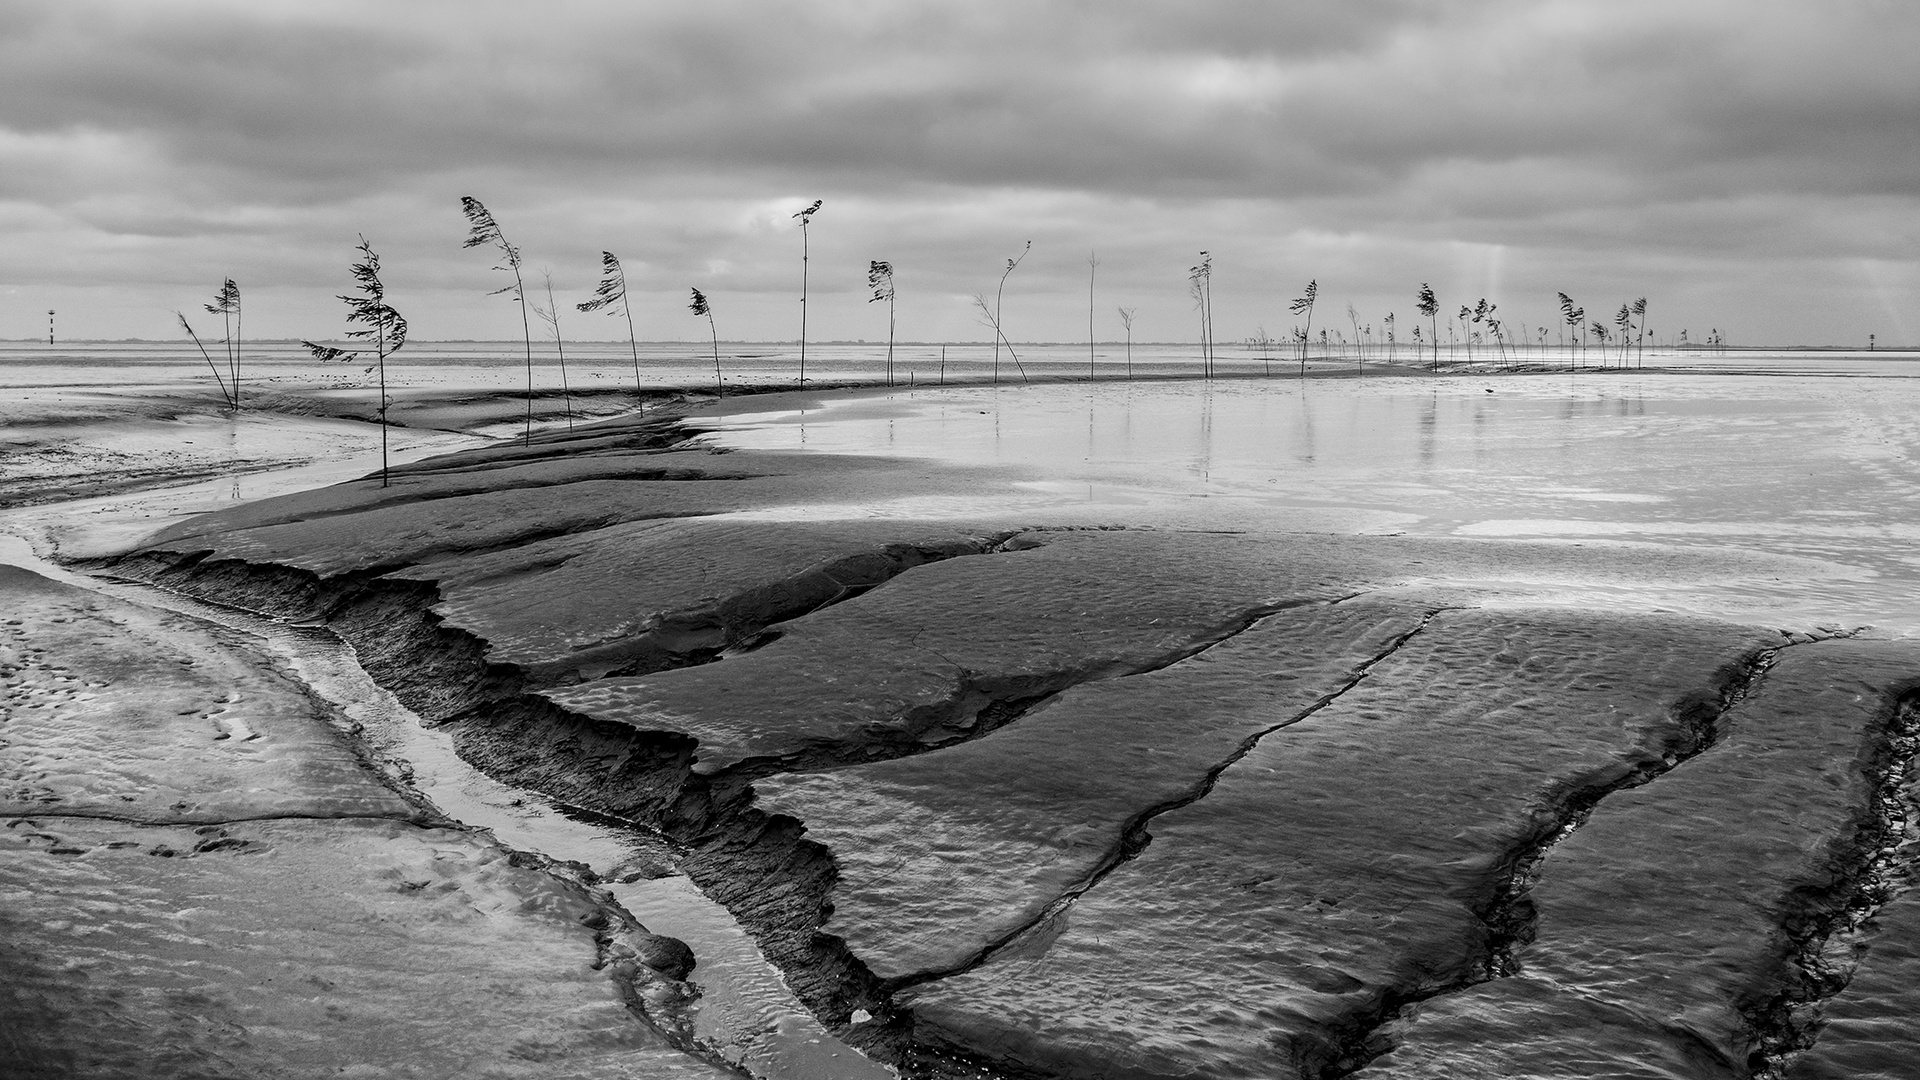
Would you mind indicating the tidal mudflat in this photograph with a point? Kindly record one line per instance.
(1542, 726)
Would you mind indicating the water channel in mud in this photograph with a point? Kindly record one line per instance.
(745, 1014)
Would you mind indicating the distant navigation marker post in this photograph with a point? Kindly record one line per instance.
(49, 326)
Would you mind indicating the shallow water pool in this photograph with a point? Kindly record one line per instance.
(1817, 466)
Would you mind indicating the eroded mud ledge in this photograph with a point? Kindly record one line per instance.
(204, 874)
(1019, 797)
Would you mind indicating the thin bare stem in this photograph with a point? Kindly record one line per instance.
(805, 217)
(1001, 336)
(1093, 263)
(551, 316)
(225, 396)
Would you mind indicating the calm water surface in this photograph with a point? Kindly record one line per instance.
(1816, 465)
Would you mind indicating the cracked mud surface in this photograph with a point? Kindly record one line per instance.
(974, 848)
(1005, 797)
(1261, 923)
(1774, 825)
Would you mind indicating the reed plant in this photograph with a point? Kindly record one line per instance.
(1303, 305)
(612, 293)
(484, 232)
(993, 317)
(1200, 286)
(1573, 317)
(805, 217)
(1093, 263)
(1359, 343)
(226, 304)
(379, 324)
(1429, 305)
(880, 280)
(1640, 313)
(1264, 344)
(700, 306)
(551, 316)
(226, 395)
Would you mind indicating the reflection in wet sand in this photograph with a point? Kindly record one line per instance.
(1765, 464)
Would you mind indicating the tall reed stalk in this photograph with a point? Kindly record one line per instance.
(1093, 263)
(1000, 335)
(380, 324)
(1200, 286)
(1429, 306)
(1304, 305)
(1640, 345)
(880, 280)
(699, 306)
(805, 217)
(225, 394)
(612, 291)
(486, 231)
(551, 316)
(226, 304)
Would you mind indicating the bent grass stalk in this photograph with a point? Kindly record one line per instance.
(999, 294)
(225, 395)
(612, 290)
(700, 306)
(1429, 306)
(226, 304)
(1206, 287)
(551, 316)
(1093, 263)
(880, 280)
(486, 231)
(1197, 276)
(1359, 344)
(1640, 345)
(1304, 304)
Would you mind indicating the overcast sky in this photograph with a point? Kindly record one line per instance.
(1751, 165)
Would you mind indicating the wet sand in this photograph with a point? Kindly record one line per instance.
(1010, 787)
(205, 877)
(309, 908)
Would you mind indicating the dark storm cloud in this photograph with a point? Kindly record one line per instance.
(940, 131)
(1140, 98)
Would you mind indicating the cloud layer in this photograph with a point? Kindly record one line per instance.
(1750, 165)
